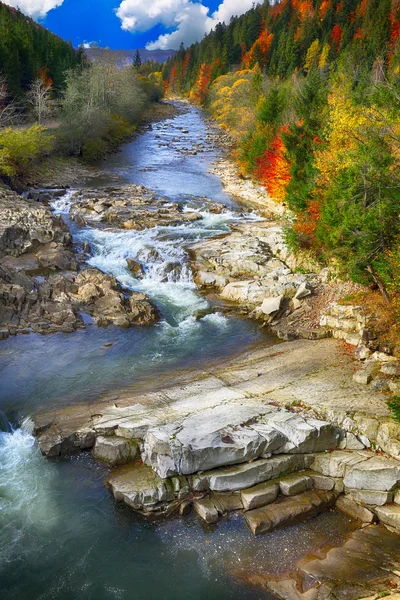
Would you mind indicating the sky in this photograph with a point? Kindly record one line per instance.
(130, 24)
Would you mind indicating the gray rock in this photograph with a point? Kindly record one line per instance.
(362, 377)
(260, 495)
(336, 464)
(351, 508)
(206, 510)
(390, 515)
(114, 451)
(270, 306)
(295, 484)
(397, 497)
(377, 473)
(362, 353)
(244, 476)
(320, 482)
(303, 291)
(218, 437)
(371, 497)
(391, 368)
(139, 487)
(353, 443)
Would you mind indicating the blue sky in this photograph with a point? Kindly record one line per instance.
(126, 24)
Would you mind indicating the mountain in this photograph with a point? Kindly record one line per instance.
(126, 57)
(28, 49)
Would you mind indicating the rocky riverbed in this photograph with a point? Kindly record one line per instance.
(280, 434)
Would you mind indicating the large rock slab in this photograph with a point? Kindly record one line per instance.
(225, 436)
(250, 474)
(377, 473)
(369, 557)
(289, 511)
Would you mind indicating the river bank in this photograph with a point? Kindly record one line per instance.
(201, 409)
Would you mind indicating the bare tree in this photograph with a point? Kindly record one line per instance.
(39, 97)
(9, 109)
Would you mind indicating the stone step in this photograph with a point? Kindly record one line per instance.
(289, 511)
(295, 484)
(260, 495)
(244, 476)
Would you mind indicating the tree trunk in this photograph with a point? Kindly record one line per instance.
(379, 283)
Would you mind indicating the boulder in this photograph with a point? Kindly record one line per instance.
(362, 377)
(321, 482)
(114, 451)
(336, 464)
(135, 268)
(260, 495)
(270, 306)
(250, 474)
(217, 437)
(303, 291)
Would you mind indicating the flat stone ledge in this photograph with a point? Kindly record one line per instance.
(289, 511)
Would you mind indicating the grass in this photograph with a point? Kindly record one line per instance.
(394, 405)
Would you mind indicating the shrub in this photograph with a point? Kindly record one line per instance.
(20, 148)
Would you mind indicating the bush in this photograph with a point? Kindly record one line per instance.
(21, 148)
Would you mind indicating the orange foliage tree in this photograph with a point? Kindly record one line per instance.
(273, 169)
(202, 84)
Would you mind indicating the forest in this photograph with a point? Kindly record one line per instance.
(310, 91)
(92, 105)
(27, 48)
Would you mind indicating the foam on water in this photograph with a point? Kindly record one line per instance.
(26, 504)
(168, 278)
(62, 205)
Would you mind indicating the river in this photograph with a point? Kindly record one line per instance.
(61, 534)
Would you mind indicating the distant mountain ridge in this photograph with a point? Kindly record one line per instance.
(126, 57)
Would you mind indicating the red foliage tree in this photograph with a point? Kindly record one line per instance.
(336, 36)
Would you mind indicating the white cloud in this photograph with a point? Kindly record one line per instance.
(231, 8)
(37, 9)
(190, 20)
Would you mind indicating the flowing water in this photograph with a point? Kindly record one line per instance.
(61, 535)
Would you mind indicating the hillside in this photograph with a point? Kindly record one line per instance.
(284, 37)
(126, 57)
(27, 48)
(310, 92)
